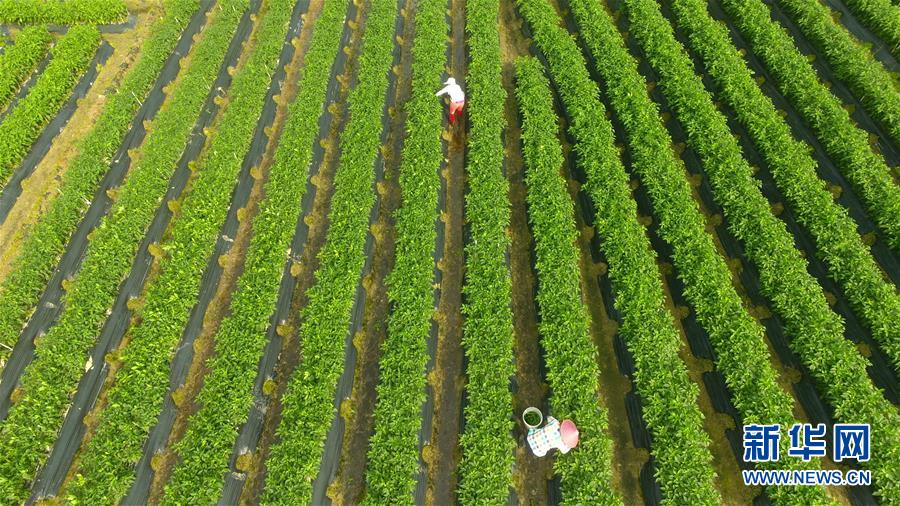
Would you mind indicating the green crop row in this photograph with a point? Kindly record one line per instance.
(882, 17)
(680, 444)
(817, 332)
(19, 60)
(308, 402)
(32, 267)
(845, 143)
(393, 457)
(49, 380)
(741, 352)
(62, 12)
(565, 326)
(227, 395)
(850, 61)
(487, 446)
(849, 260)
(106, 468)
(70, 58)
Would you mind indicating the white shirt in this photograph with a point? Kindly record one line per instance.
(455, 92)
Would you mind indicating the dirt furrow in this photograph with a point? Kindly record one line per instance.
(446, 377)
(358, 409)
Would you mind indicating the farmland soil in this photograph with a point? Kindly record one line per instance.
(308, 240)
(532, 474)
(358, 410)
(40, 188)
(446, 378)
(49, 306)
(45, 141)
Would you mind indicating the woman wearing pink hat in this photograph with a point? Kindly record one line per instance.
(562, 436)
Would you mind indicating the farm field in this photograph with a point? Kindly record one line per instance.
(247, 258)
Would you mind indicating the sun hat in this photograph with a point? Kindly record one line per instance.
(569, 433)
(450, 81)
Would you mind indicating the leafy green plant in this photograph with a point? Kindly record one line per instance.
(882, 17)
(227, 394)
(741, 352)
(393, 456)
(45, 242)
(794, 170)
(49, 380)
(817, 332)
(487, 338)
(19, 60)
(680, 445)
(309, 398)
(136, 397)
(850, 61)
(70, 58)
(62, 12)
(569, 352)
(846, 144)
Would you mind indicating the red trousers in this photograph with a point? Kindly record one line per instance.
(456, 111)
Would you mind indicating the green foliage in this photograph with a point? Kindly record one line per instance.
(680, 444)
(227, 394)
(565, 324)
(62, 12)
(308, 403)
(882, 17)
(70, 58)
(393, 456)
(817, 332)
(794, 170)
(845, 143)
(850, 61)
(487, 447)
(19, 60)
(42, 247)
(741, 352)
(135, 399)
(50, 379)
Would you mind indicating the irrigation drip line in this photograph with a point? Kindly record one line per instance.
(41, 146)
(114, 329)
